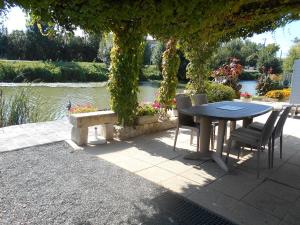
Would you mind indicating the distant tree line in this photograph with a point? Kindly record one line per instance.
(32, 45)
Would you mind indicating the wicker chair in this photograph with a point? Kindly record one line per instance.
(278, 131)
(185, 121)
(254, 138)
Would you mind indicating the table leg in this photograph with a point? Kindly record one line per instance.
(205, 130)
(204, 153)
(232, 125)
(217, 156)
(221, 136)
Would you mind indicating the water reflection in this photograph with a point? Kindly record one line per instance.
(55, 99)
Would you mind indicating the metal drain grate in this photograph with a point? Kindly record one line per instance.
(187, 212)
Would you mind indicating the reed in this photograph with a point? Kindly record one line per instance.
(20, 108)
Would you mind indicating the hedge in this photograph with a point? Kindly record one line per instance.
(39, 71)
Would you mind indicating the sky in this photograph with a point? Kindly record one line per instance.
(284, 36)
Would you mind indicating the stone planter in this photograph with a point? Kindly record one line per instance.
(123, 133)
(246, 99)
(147, 119)
(173, 112)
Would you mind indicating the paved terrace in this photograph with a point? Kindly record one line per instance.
(238, 195)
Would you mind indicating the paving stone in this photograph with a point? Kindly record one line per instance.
(204, 173)
(273, 198)
(181, 185)
(288, 174)
(156, 174)
(236, 184)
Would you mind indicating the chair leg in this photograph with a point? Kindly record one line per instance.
(176, 135)
(269, 152)
(239, 151)
(258, 161)
(273, 147)
(228, 149)
(198, 140)
(281, 146)
(192, 137)
(212, 138)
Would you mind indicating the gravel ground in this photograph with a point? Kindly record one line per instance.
(52, 184)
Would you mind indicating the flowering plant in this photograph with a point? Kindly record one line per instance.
(173, 106)
(83, 108)
(148, 109)
(228, 74)
(279, 94)
(246, 95)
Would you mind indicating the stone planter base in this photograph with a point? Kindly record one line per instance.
(123, 133)
(246, 99)
(147, 119)
(173, 113)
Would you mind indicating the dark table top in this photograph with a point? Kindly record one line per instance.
(213, 110)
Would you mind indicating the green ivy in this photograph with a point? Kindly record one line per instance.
(126, 63)
(170, 66)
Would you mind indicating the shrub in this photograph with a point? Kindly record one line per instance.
(266, 84)
(279, 94)
(219, 92)
(150, 72)
(38, 71)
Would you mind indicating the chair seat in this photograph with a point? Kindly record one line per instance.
(247, 136)
(256, 126)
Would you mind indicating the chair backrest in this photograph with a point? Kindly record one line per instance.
(183, 102)
(281, 121)
(200, 99)
(295, 90)
(269, 127)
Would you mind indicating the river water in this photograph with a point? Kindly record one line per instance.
(55, 97)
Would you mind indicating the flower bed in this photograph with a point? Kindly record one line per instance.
(278, 94)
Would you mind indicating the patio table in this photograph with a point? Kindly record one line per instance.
(223, 112)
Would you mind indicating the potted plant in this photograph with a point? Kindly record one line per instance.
(246, 97)
(147, 113)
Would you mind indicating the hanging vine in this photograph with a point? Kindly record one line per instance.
(170, 66)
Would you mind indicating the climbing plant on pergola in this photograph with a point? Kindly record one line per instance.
(194, 23)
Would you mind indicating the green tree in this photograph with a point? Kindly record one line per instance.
(156, 57)
(294, 53)
(246, 51)
(267, 59)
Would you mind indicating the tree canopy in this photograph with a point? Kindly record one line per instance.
(178, 18)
